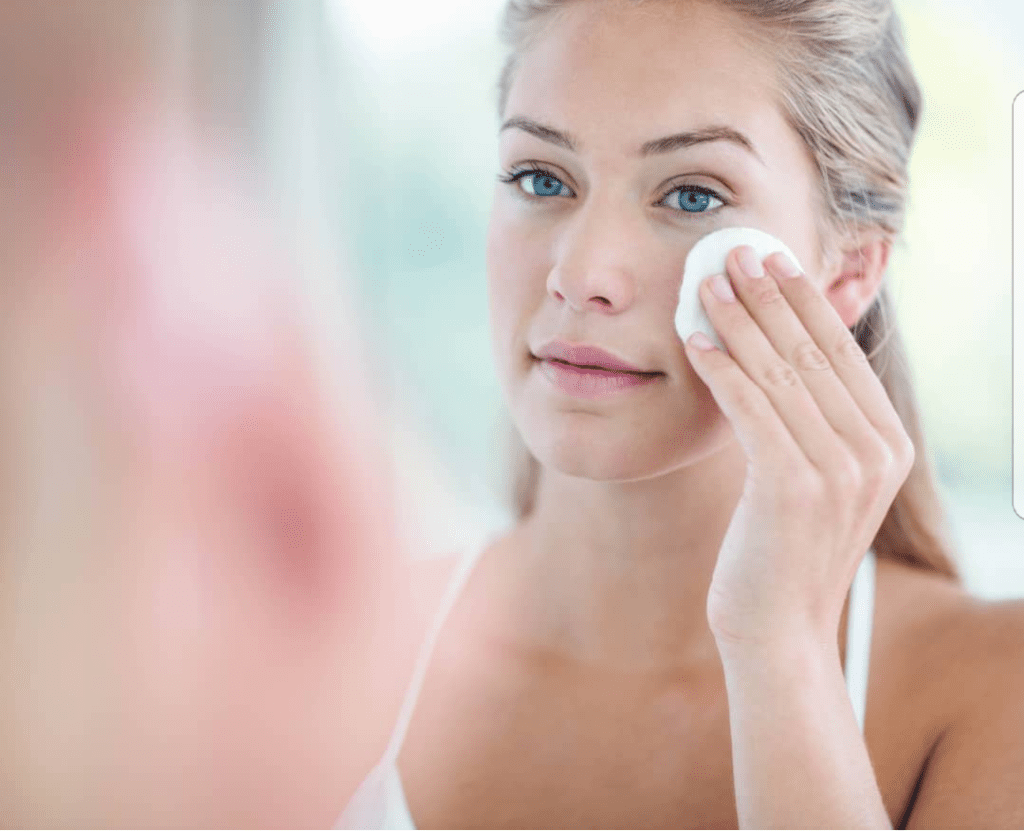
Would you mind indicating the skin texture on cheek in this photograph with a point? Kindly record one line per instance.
(506, 297)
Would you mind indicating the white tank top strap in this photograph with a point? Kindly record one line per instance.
(858, 634)
(455, 584)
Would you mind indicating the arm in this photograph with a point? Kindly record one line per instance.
(827, 454)
(799, 760)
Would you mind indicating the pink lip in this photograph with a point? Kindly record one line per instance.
(584, 382)
(585, 356)
(589, 372)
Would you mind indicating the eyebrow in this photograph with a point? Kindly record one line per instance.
(667, 144)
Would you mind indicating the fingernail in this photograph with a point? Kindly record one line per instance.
(701, 341)
(785, 266)
(721, 289)
(750, 262)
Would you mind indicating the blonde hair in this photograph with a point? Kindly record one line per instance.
(847, 88)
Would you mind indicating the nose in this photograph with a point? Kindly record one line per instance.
(595, 262)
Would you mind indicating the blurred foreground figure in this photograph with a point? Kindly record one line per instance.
(201, 592)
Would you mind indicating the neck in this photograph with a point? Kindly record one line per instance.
(616, 574)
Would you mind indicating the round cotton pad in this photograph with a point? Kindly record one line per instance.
(708, 257)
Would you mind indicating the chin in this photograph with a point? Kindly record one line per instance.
(586, 445)
(613, 441)
(574, 450)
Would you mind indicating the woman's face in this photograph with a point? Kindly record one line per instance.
(591, 249)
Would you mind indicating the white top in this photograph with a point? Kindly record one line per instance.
(379, 802)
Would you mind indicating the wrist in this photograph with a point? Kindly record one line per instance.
(795, 647)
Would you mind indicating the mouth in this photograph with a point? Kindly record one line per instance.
(589, 358)
(594, 369)
(591, 381)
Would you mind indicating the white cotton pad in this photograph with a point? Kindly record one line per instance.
(708, 257)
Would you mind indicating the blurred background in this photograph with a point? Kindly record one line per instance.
(419, 112)
(203, 611)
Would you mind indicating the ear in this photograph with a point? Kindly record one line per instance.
(853, 282)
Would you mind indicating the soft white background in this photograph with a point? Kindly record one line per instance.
(417, 92)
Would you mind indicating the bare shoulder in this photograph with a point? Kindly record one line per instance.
(975, 774)
(915, 604)
(964, 657)
(980, 634)
(955, 642)
(987, 642)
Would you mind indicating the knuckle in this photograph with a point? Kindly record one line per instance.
(905, 453)
(808, 356)
(780, 375)
(888, 461)
(768, 295)
(748, 401)
(909, 452)
(802, 488)
(898, 448)
(879, 456)
(847, 474)
(876, 477)
(849, 351)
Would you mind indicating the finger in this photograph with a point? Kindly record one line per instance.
(843, 353)
(768, 306)
(754, 419)
(762, 366)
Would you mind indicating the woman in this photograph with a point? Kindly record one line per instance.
(672, 635)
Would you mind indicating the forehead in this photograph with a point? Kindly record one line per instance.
(619, 72)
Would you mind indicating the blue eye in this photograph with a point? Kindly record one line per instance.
(695, 200)
(537, 183)
(542, 184)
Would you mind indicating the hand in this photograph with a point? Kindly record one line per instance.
(826, 454)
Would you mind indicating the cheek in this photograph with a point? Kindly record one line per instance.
(804, 222)
(517, 268)
(795, 216)
(796, 225)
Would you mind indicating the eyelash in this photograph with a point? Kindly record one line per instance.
(514, 175)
